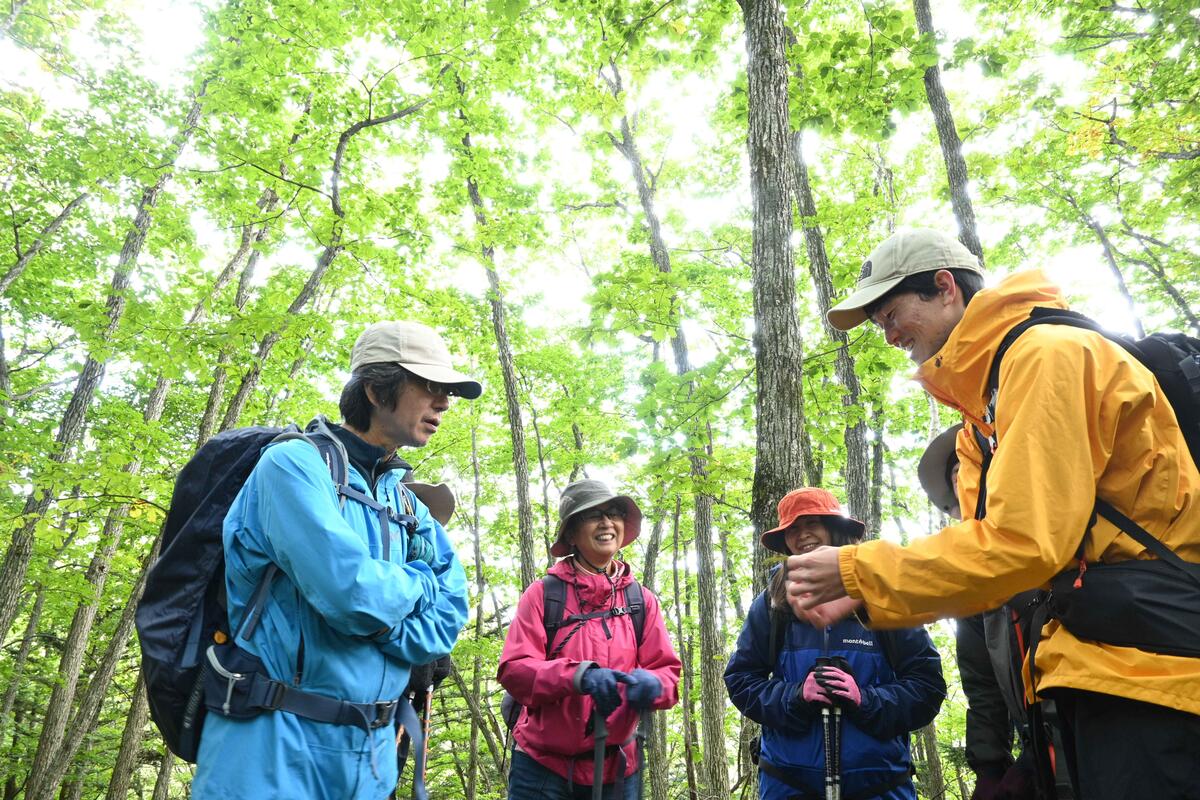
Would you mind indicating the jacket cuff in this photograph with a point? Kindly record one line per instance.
(846, 555)
(577, 678)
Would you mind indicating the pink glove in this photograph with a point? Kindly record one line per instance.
(839, 685)
(812, 692)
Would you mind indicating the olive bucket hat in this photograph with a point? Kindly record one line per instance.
(582, 495)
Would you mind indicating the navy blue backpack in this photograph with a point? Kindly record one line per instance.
(190, 663)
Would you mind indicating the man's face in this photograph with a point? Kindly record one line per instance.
(415, 418)
(918, 326)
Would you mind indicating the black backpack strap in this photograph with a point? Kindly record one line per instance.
(635, 601)
(1144, 538)
(554, 605)
(775, 639)
(888, 643)
(1037, 316)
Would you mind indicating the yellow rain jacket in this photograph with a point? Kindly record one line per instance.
(1076, 416)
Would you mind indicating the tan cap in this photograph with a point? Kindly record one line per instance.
(437, 497)
(902, 254)
(934, 471)
(416, 347)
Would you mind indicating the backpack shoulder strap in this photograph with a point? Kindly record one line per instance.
(778, 635)
(635, 601)
(888, 644)
(554, 604)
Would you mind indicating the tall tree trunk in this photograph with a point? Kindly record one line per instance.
(130, 751)
(508, 370)
(683, 610)
(712, 686)
(480, 591)
(162, 783)
(956, 165)
(16, 559)
(44, 780)
(547, 527)
(17, 671)
(856, 475)
(1110, 256)
(778, 347)
(933, 781)
(63, 695)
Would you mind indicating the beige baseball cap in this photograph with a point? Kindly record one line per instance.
(902, 254)
(416, 347)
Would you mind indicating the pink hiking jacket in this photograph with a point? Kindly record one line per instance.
(551, 729)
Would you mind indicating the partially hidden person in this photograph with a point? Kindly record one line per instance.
(789, 672)
(989, 649)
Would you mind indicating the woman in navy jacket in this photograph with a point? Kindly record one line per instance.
(889, 684)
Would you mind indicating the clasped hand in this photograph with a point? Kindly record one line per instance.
(642, 688)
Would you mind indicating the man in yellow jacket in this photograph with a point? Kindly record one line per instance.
(1077, 418)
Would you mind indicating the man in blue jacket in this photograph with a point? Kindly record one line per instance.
(351, 612)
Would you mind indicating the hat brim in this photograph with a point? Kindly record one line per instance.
(633, 523)
(850, 314)
(437, 497)
(850, 527)
(461, 384)
(933, 473)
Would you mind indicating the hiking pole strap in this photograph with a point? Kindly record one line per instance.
(412, 726)
(600, 732)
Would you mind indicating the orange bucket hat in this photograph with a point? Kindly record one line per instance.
(816, 503)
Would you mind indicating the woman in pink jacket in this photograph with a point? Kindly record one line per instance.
(586, 660)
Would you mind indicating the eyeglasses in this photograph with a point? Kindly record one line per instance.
(594, 514)
(441, 389)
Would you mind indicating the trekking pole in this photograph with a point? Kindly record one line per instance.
(426, 721)
(644, 721)
(600, 732)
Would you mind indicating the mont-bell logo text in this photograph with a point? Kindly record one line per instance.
(866, 270)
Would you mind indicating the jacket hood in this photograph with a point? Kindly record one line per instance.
(956, 375)
(592, 588)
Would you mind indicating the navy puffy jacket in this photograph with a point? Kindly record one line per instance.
(896, 699)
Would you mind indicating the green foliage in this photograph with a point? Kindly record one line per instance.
(1077, 119)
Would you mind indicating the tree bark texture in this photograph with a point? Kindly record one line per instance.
(956, 165)
(778, 345)
(16, 559)
(131, 744)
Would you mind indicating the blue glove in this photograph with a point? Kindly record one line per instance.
(420, 548)
(601, 684)
(643, 689)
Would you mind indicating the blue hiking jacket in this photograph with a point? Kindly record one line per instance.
(896, 699)
(359, 622)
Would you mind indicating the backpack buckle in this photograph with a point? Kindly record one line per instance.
(385, 712)
(620, 611)
(275, 693)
